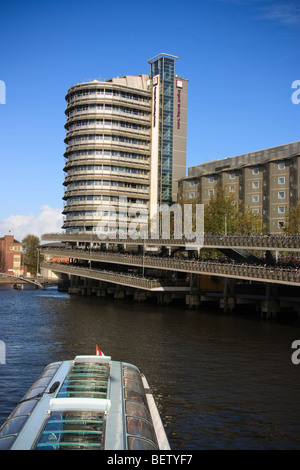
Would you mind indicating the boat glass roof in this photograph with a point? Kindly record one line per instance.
(77, 429)
(72, 430)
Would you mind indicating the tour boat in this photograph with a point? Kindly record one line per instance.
(89, 403)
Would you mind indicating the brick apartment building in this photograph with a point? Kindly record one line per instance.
(11, 256)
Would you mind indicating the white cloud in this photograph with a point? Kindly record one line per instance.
(285, 13)
(48, 220)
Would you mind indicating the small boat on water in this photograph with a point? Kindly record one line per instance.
(18, 286)
(89, 403)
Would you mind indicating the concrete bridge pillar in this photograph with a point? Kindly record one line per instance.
(227, 303)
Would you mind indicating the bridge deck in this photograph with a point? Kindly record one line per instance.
(257, 242)
(236, 271)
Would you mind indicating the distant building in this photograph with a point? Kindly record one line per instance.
(267, 181)
(125, 141)
(11, 256)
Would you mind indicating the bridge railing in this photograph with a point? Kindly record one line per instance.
(247, 271)
(104, 275)
(280, 242)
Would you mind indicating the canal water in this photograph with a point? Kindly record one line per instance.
(220, 381)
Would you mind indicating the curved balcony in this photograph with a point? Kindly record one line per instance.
(126, 162)
(103, 146)
(114, 113)
(140, 99)
(112, 124)
(137, 176)
(140, 193)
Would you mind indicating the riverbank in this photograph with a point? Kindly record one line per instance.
(11, 282)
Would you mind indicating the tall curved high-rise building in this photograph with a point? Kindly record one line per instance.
(122, 136)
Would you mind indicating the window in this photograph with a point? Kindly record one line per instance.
(255, 184)
(280, 224)
(281, 210)
(192, 183)
(255, 171)
(281, 180)
(211, 192)
(255, 198)
(191, 195)
(255, 211)
(211, 179)
(281, 194)
(232, 175)
(281, 166)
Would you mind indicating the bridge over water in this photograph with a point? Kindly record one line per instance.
(274, 275)
(27, 280)
(89, 262)
(249, 242)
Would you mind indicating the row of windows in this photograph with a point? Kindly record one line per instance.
(105, 152)
(255, 171)
(107, 92)
(97, 213)
(280, 195)
(255, 184)
(106, 122)
(280, 166)
(79, 199)
(107, 168)
(255, 197)
(281, 209)
(120, 184)
(107, 138)
(94, 107)
(281, 180)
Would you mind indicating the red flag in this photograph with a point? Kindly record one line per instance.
(98, 352)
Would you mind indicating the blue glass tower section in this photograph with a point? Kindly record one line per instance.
(163, 66)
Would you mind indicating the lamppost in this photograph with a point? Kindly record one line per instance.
(37, 262)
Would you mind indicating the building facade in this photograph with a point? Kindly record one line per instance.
(11, 256)
(125, 146)
(266, 181)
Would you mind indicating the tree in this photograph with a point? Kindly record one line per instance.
(248, 223)
(292, 225)
(223, 216)
(31, 245)
(220, 214)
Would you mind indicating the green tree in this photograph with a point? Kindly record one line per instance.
(220, 214)
(30, 246)
(248, 223)
(223, 215)
(292, 225)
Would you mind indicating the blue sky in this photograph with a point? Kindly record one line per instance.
(240, 57)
